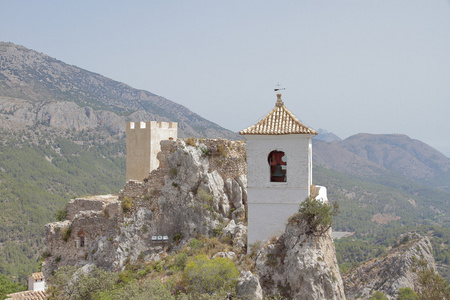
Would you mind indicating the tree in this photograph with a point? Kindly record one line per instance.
(318, 215)
(70, 283)
(9, 287)
(431, 285)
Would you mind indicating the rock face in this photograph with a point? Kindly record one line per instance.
(37, 88)
(248, 287)
(300, 266)
(185, 197)
(389, 273)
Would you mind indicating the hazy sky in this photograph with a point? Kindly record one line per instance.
(378, 66)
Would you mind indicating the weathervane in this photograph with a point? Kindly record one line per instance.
(278, 88)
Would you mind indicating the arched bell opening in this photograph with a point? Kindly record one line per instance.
(278, 166)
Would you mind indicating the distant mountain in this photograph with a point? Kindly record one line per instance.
(326, 136)
(368, 155)
(37, 88)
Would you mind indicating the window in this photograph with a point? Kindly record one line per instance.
(277, 163)
(81, 241)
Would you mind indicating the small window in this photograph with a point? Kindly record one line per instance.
(82, 241)
(277, 163)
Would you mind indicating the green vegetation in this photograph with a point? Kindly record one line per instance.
(318, 215)
(432, 285)
(7, 286)
(41, 169)
(188, 274)
(406, 294)
(378, 296)
(205, 276)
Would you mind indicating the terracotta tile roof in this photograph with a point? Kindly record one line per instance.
(28, 295)
(279, 121)
(37, 276)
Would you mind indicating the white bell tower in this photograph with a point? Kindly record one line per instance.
(279, 171)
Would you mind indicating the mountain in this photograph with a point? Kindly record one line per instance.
(37, 88)
(368, 155)
(61, 136)
(326, 136)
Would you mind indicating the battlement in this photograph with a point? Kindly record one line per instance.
(151, 125)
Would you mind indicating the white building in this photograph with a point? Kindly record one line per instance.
(279, 171)
(36, 282)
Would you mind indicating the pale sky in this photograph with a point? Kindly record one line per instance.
(348, 66)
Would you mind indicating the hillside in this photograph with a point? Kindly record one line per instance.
(374, 155)
(37, 88)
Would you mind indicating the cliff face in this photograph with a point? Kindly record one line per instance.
(199, 187)
(37, 88)
(300, 266)
(388, 274)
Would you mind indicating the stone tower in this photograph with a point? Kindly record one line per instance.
(279, 171)
(143, 144)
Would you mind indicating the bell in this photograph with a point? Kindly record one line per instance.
(278, 172)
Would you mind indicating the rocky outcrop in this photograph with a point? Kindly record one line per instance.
(391, 272)
(248, 287)
(186, 197)
(300, 266)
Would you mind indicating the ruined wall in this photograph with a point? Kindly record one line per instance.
(200, 186)
(73, 241)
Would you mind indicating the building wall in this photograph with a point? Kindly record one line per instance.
(271, 203)
(36, 285)
(143, 144)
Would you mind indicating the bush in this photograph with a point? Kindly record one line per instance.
(318, 215)
(203, 275)
(66, 233)
(70, 283)
(406, 294)
(378, 296)
(61, 215)
(127, 204)
(204, 196)
(180, 261)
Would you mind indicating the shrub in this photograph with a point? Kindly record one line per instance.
(222, 150)
(406, 294)
(180, 261)
(66, 233)
(190, 142)
(204, 196)
(318, 215)
(61, 215)
(127, 204)
(378, 296)
(204, 275)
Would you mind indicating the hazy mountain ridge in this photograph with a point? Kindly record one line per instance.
(368, 155)
(38, 79)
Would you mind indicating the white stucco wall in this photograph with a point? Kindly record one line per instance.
(271, 203)
(36, 285)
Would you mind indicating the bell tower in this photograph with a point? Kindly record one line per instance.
(279, 170)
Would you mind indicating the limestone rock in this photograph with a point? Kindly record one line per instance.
(300, 266)
(248, 287)
(184, 198)
(388, 274)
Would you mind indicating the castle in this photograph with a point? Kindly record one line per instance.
(178, 189)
